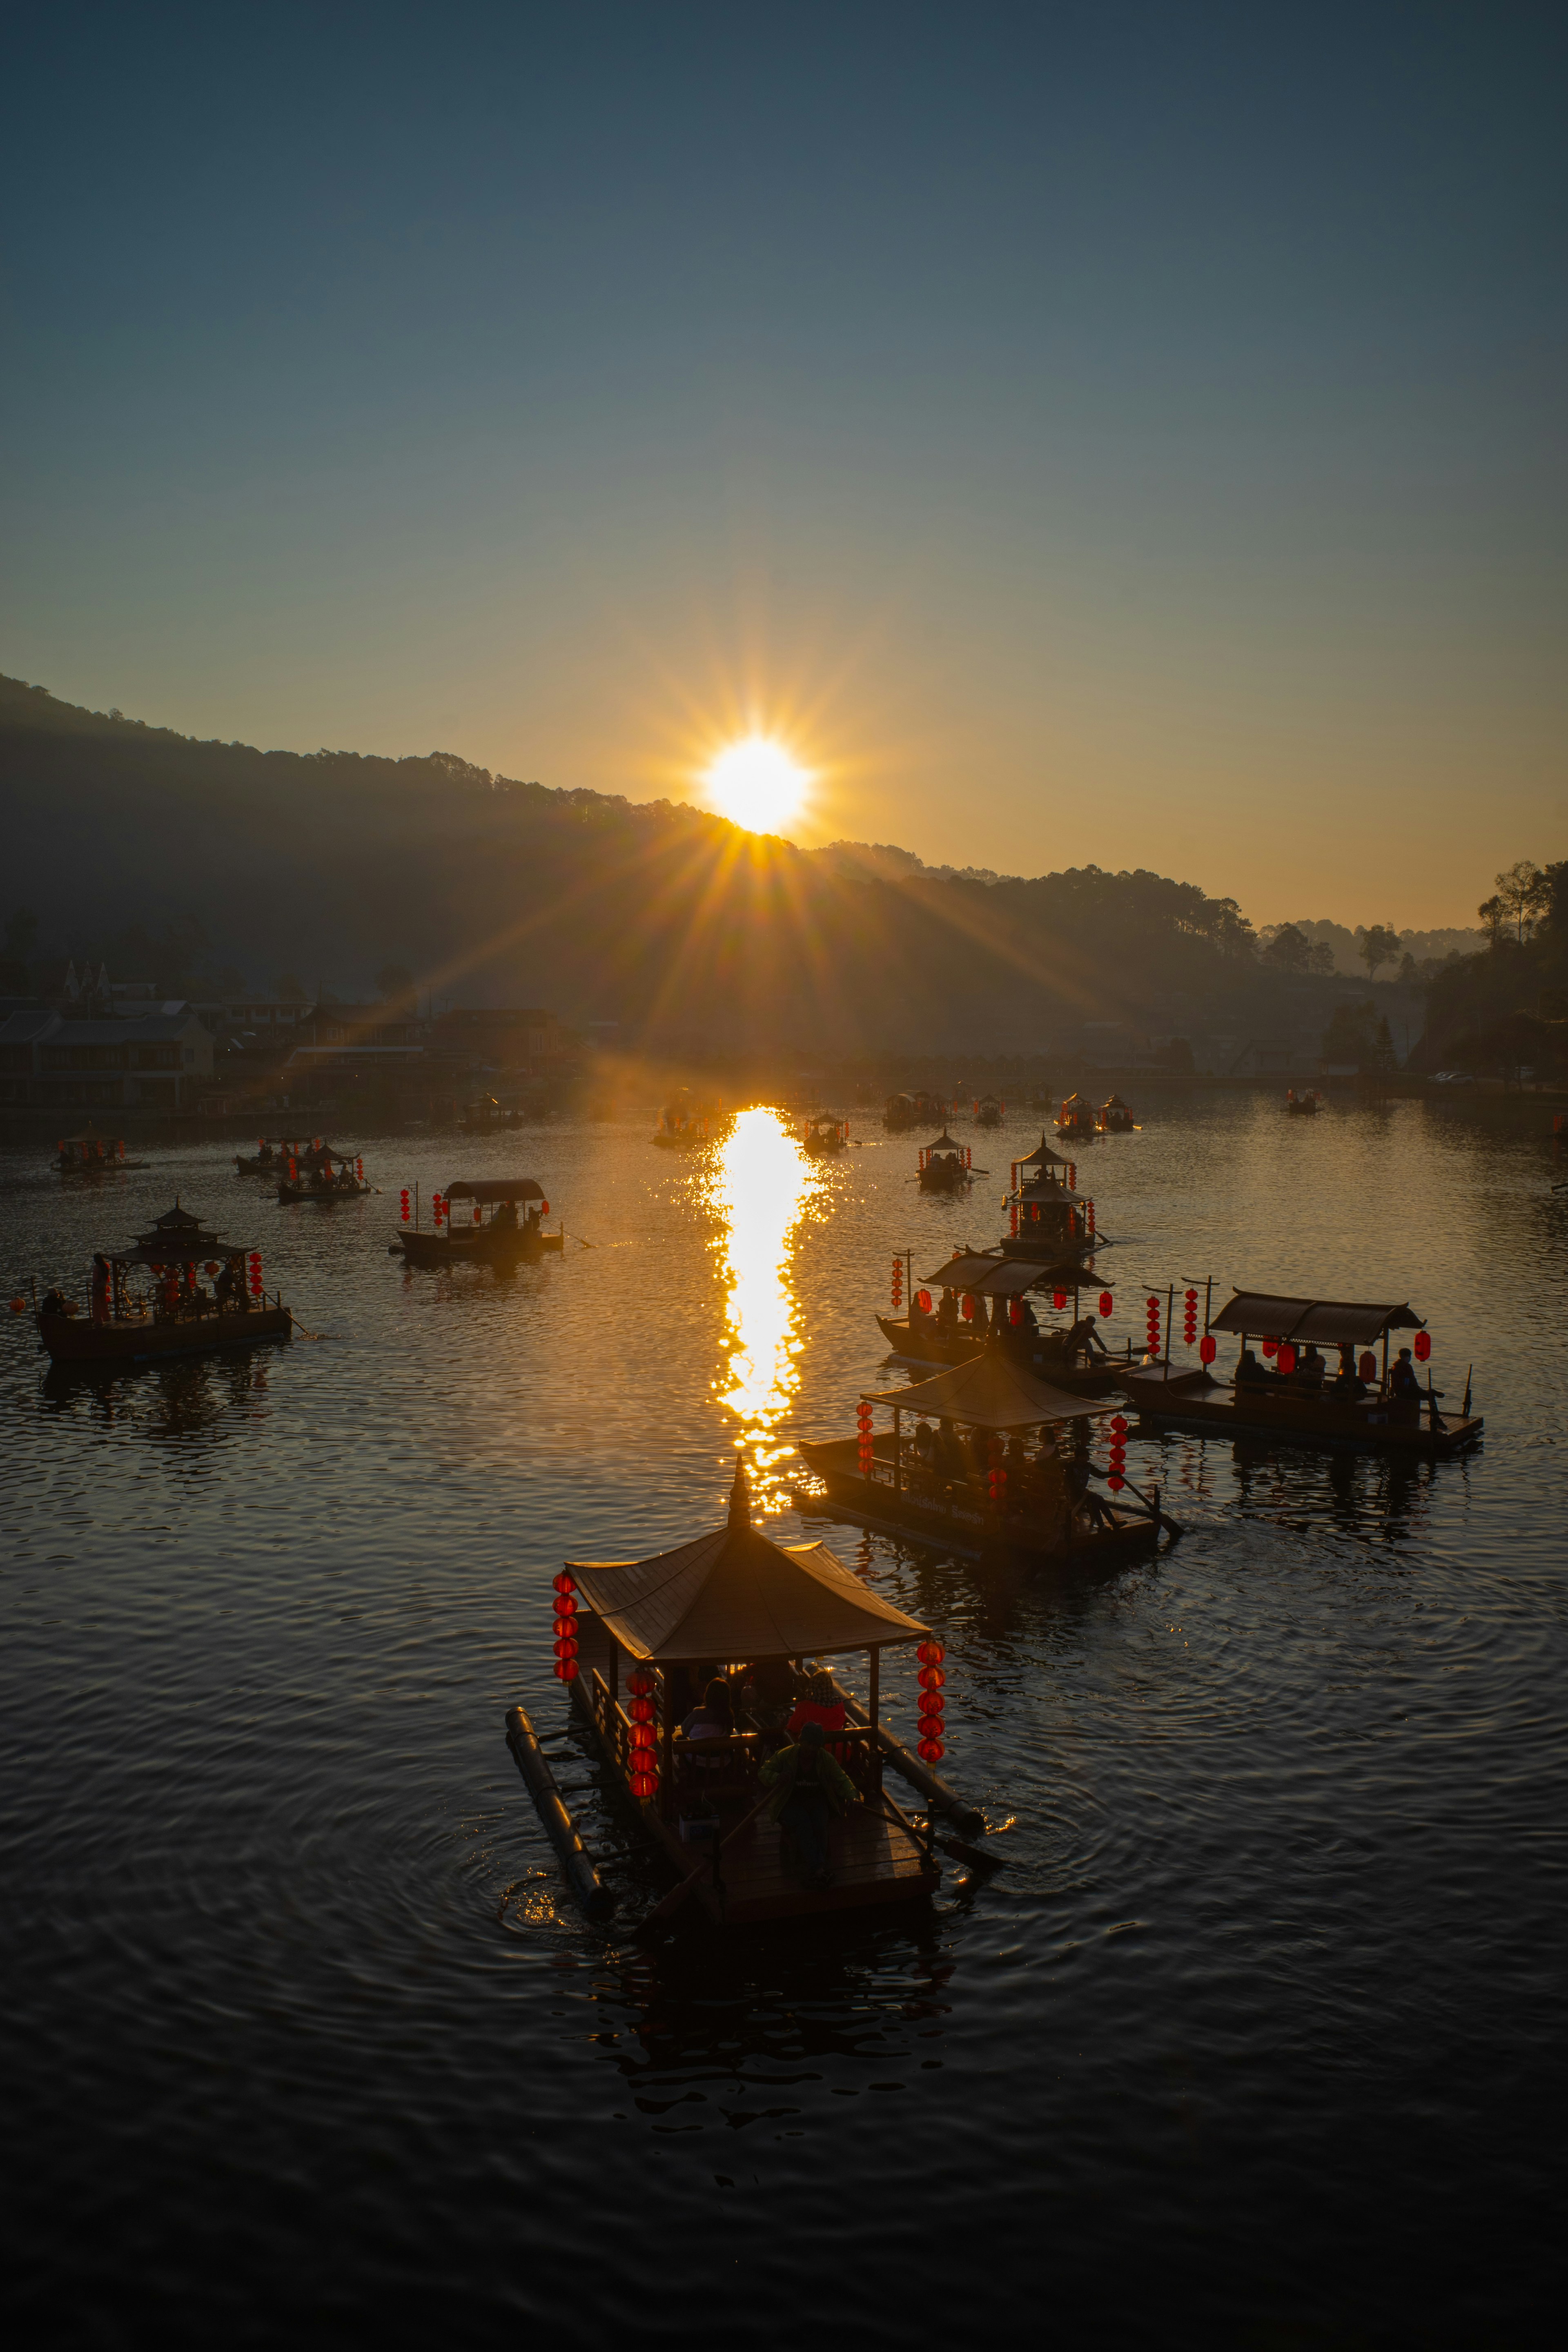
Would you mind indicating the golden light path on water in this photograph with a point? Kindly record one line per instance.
(760, 1188)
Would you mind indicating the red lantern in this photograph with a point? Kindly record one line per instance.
(293, 1172)
(566, 1670)
(1287, 1358)
(1271, 1347)
(931, 1652)
(1107, 1303)
(969, 1307)
(402, 1200)
(1367, 1366)
(922, 1300)
(1014, 1220)
(544, 1208)
(1015, 1310)
(932, 1677)
(565, 1581)
(1088, 1207)
(645, 1785)
(931, 1751)
(359, 1169)
(210, 1265)
(1423, 1346)
(1206, 1349)
(478, 1212)
(1058, 1299)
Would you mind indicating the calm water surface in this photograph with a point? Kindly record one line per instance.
(1258, 2040)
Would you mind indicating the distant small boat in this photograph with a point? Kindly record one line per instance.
(1304, 1106)
(825, 1136)
(334, 1177)
(1114, 1118)
(1076, 1119)
(92, 1155)
(989, 1111)
(501, 1239)
(944, 1165)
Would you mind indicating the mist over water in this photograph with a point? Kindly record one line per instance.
(1258, 2037)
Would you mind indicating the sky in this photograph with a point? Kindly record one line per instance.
(1116, 434)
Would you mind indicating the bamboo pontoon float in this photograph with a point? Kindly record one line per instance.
(636, 1639)
(501, 1239)
(985, 1297)
(174, 1317)
(1367, 1406)
(996, 1499)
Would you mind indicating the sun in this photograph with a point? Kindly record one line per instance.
(756, 784)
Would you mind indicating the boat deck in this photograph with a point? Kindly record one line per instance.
(1177, 1398)
(872, 1856)
(963, 1526)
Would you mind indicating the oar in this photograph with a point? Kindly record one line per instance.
(1171, 1527)
(949, 1845)
(662, 1913)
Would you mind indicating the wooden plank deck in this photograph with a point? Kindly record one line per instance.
(1181, 1399)
(873, 1859)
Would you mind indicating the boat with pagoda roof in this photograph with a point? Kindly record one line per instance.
(1306, 1105)
(477, 1222)
(981, 1460)
(134, 1321)
(90, 1154)
(945, 1165)
(825, 1136)
(986, 1296)
(1075, 1120)
(1115, 1117)
(1048, 1219)
(333, 1176)
(989, 1111)
(1296, 1396)
(681, 1127)
(638, 1642)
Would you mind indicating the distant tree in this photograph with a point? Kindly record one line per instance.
(1379, 944)
(1320, 957)
(396, 983)
(1290, 950)
(1409, 971)
(1383, 1056)
(1350, 1038)
(1493, 913)
(1526, 894)
(291, 989)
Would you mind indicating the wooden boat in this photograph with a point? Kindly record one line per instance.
(989, 1112)
(913, 1107)
(1280, 1406)
(92, 1155)
(636, 1641)
(1302, 1106)
(501, 1239)
(825, 1136)
(681, 1129)
(273, 1153)
(1048, 1220)
(334, 1177)
(985, 1298)
(1076, 1119)
(1114, 1118)
(173, 1316)
(892, 1482)
(944, 1166)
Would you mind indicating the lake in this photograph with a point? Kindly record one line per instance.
(1257, 2039)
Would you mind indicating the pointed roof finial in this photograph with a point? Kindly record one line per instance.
(740, 1496)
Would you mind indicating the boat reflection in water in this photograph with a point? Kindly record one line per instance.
(760, 1188)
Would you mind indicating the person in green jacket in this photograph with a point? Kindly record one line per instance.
(808, 1784)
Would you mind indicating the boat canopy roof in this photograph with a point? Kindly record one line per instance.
(1046, 1188)
(946, 1142)
(503, 1188)
(993, 1390)
(177, 1239)
(1044, 1157)
(1334, 1319)
(1113, 1102)
(991, 1276)
(734, 1593)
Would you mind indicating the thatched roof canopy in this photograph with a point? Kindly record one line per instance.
(992, 1390)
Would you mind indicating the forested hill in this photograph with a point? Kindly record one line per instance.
(136, 843)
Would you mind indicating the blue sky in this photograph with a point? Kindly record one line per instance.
(1128, 434)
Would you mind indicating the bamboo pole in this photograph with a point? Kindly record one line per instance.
(522, 1738)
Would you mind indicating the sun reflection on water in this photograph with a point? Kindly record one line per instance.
(762, 1185)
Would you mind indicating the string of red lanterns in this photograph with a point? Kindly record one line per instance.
(898, 1283)
(565, 1627)
(1190, 1317)
(254, 1272)
(645, 1736)
(402, 1199)
(934, 1706)
(1116, 1481)
(1152, 1311)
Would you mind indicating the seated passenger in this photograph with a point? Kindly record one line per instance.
(947, 1312)
(808, 1788)
(1249, 1372)
(714, 1719)
(949, 1461)
(925, 1445)
(1309, 1370)
(1405, 1381)
(820, 1704)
